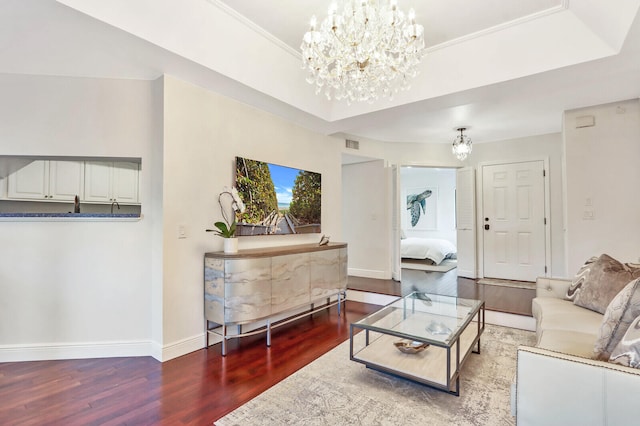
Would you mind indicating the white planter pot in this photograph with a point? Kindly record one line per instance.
(230, 245)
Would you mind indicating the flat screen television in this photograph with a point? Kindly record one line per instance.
(279, 200)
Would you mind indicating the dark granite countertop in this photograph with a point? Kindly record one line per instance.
(106, 215)
(70, 217)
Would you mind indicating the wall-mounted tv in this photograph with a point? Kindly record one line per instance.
(279, 200)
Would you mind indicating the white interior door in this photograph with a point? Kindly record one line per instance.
(513, 221)
(396, 270)
(466, 221)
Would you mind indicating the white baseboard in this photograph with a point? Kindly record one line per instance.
(510, 320)
(369, 273)
(466, 273)
(491, 317)
(372, 298)
(183, 347)
(40, 352)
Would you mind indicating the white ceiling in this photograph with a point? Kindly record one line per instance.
(443, 20)
(506, 69)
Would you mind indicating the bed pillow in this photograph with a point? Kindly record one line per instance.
(603, 280)
(627, 352)
(620, 313)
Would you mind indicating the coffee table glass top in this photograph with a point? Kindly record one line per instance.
(430, 318)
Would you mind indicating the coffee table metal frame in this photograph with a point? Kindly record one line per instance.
(407, 306)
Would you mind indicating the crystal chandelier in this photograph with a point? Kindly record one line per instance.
(370, 50)
(461, 145)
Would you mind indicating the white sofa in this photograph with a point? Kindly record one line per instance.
(557, 382)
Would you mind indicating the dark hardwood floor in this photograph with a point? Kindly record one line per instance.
(202, 386)
(197, 388)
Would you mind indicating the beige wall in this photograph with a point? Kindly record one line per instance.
(530, 148)
(78, 289)
(112, 289)
(602, 180)
(203, 133)
(366, 218)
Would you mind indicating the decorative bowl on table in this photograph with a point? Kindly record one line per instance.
(410, 347)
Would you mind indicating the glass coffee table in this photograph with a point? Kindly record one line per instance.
(421, 337)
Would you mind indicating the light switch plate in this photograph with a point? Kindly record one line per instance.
(588, 215)
(182, 232)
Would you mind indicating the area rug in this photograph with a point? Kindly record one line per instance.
(333, 390)
(444, 266)
(507, 283)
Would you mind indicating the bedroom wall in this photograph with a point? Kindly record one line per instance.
(442, 182)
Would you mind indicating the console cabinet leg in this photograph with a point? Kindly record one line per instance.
(269, 333)
(224, 340)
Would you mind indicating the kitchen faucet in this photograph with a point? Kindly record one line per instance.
(117, 204)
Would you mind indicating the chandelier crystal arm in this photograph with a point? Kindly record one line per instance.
(370, 49)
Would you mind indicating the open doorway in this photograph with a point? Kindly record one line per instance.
(427, 216)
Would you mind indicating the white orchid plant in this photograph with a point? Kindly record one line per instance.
(227, 229)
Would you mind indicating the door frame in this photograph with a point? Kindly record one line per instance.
(395, 197)
(396, 261)
(480, 210)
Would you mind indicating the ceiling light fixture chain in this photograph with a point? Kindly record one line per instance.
(461, 145)
(370, 50)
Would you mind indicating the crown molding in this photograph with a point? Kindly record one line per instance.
(255, 27)
(563, 6)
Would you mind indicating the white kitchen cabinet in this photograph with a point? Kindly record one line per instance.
(108, 182)
(66, 179)
(3, 188)
(47, 181)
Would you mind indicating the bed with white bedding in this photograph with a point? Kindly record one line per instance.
(433, 249)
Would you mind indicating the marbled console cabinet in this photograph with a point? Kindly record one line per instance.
(263, 285)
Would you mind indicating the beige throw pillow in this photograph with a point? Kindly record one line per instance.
(620, 313)
(603, 281)
(627, 352)
(580, 278)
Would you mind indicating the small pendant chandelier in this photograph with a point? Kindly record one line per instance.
(461, 145)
